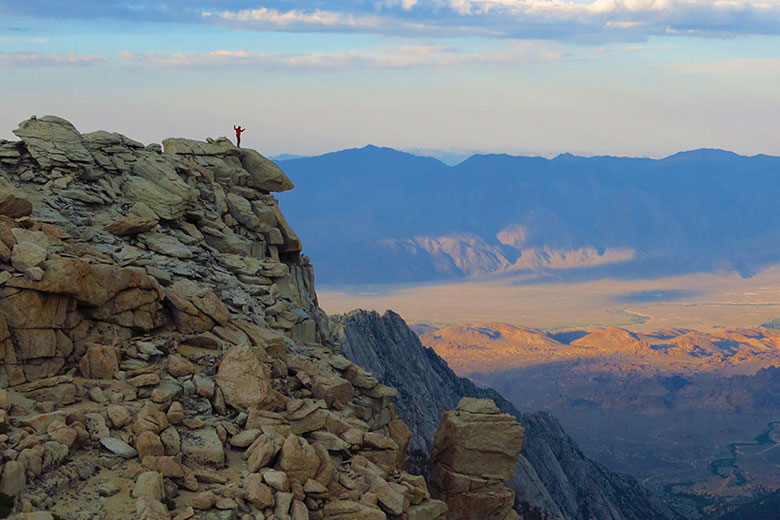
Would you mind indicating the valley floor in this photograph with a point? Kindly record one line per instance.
(697, 301)
(702, 460)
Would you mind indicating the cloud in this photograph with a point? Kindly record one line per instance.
(749, 16)
(572, 20)
(271, 18)
(563, 9)
(398, 22)
(26, 39)
(138, 10)
(37, 59)
(406, 5)
(633, 48)
(543, 19)
(409, 56)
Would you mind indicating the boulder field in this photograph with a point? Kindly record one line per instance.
(163, 353)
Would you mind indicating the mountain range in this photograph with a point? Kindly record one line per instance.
(410, 219)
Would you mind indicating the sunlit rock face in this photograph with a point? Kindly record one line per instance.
(474, 452)
(163, 352)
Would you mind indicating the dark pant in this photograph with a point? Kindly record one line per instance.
(238, 141)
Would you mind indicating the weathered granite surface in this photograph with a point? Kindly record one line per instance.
(163, 352)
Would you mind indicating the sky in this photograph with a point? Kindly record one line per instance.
(619, 77)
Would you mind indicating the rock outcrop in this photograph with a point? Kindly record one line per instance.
(552, 477)
(474, 452)
(163, 353)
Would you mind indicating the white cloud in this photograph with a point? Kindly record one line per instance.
(26, 39)
(569, 9)
(37, 59)
(267, 19)
(461, 6)
(409, 56)
(544, 19)
(624, 25)
(264, 17)
(406, 5)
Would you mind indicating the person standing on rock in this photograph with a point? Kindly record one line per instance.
(238, 130)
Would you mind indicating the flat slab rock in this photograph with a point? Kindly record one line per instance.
(118, 447)
(202, 448)
(53, 141)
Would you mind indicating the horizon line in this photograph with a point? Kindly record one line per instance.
(470, 154)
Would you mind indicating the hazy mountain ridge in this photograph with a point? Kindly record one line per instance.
(700, 210)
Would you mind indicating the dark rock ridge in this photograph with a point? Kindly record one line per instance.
(552, 479)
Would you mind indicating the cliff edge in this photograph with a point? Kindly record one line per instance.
(163, 352)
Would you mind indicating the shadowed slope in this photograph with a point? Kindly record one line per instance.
(552, 475)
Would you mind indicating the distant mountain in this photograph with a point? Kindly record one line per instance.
(285, 157)
(377, 215)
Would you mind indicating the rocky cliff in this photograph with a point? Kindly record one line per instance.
(163, 353)
(474, 452)
(552, 479)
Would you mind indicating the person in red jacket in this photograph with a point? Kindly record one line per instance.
(238, 130)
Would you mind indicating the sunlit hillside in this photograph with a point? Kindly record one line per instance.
(494, 347)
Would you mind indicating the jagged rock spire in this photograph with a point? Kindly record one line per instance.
(474, 452)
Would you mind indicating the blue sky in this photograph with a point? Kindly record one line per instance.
(624, 77)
